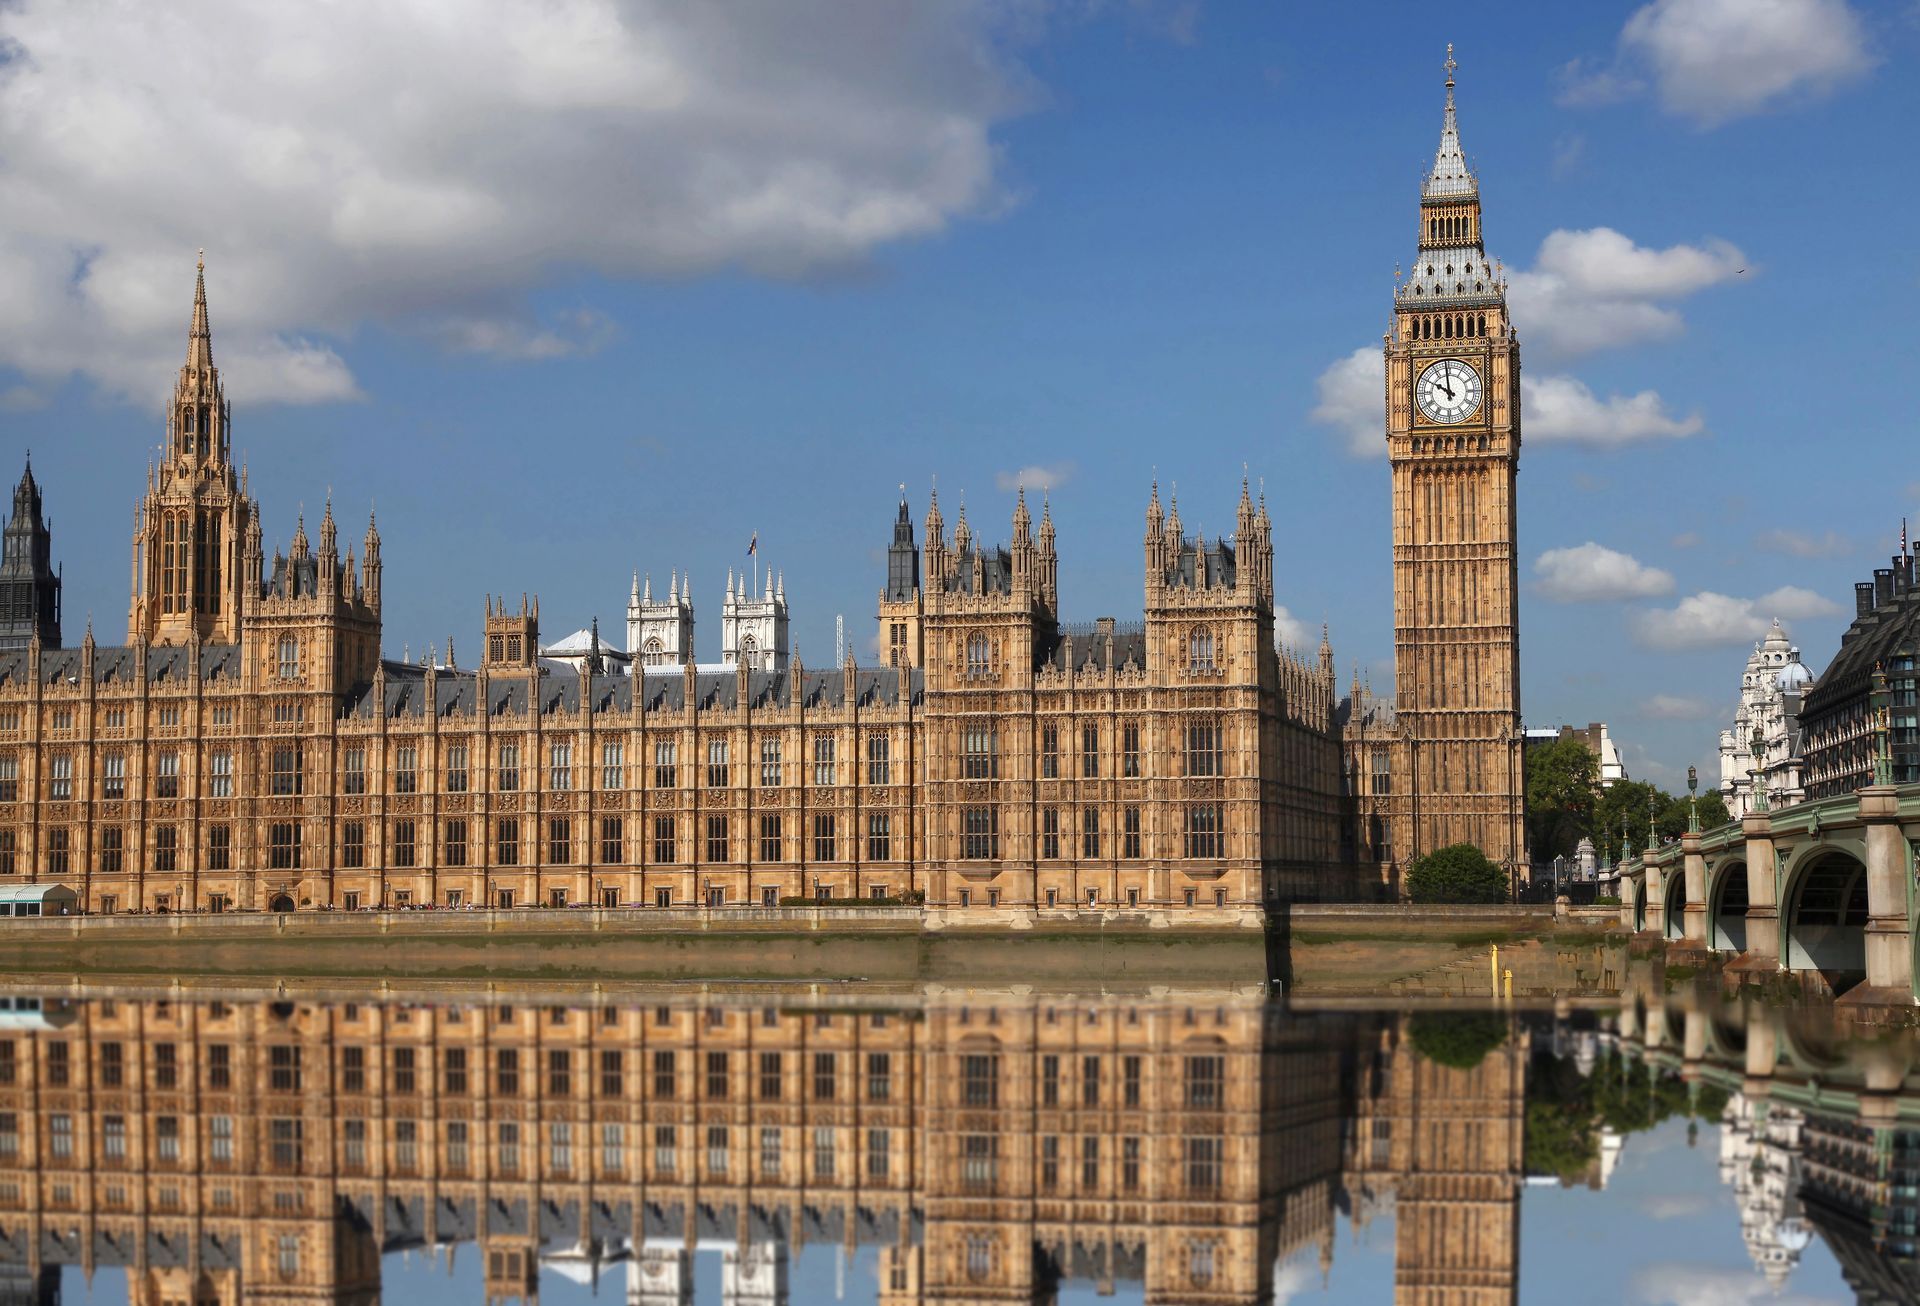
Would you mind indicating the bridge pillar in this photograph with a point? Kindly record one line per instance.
(1763, 896)
(1696, 873)
(1656, 880)
(1889, 932)
(1763, 1054)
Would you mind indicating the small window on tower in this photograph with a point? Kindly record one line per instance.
(289, 658)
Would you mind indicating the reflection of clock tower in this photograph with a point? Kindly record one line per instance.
(1453, 435)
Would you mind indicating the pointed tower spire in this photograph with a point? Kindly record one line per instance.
(200, 333)
(1022, 519)
(1450, 176)
(1156, 517)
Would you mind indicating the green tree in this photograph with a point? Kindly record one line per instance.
(1626, 805)
(1561, 1132)
(1457, 1039)
(1458, 873)
(1563, 778)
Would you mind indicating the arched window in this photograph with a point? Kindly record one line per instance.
(1200, 651)
(655, 654)
(979, 655)
(750, 653)
(289, 657)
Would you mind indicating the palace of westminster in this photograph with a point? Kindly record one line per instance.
(251, 747)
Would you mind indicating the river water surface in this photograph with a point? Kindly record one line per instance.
(773, 1145)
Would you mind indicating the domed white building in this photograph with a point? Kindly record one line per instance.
(1771, 690)
(1760, 1149)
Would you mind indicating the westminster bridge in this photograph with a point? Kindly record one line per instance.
(1821, 890)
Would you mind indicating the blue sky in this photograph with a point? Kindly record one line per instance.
(1666, 1203)
(591, 288)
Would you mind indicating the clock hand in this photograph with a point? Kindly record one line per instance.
(1446, 387)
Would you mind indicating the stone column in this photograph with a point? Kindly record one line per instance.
(1889, 932)
(1763, 1053)
(1763, 898)
(1696, 873)
(1656, 877)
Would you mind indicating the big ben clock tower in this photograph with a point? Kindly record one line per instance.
(1453, 437)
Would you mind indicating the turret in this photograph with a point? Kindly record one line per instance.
(29, 586)
(370, 564)
(194, 516)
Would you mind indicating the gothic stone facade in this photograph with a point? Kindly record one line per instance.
(985, 1145)
(1453, 439)
(251, 748)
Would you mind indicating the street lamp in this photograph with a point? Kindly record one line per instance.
(1756, 747)
(1693, 801)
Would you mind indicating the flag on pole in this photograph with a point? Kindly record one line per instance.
(753, 545)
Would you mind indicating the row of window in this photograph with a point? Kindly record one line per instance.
(287, 1138)
(286, 769)
(562, 1070)
(1204, 835)
(1203, 838)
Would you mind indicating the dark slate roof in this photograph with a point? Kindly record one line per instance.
(165, 663)
(1199, 563)
(406, 692)
(996, 566)
(1090, 648)
(295, 578)
(1889, 631)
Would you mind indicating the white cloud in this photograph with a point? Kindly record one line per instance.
(1587, 291)
(1596, 289)
(1799, 544)
(1672, 1283)
(21, 399)
(1562, 409)
(1293, 1278)
(1707, 619)
(1353, 400)
(509, 339)
(1715, 60)
(1034, 477)
(1568, 151)
(1673, 707)
(1556, 409)
(1590, 573)
(414, 168)
(1588, 84)
(1676, 1206)
(1291, 632)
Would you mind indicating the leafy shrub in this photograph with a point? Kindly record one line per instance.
(1458, 873)
(1459, 1040)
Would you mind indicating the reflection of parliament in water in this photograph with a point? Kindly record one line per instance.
(990, 1148)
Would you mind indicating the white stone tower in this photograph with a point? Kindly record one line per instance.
(755, 1275)
(660, 1276)
(660, 634)
(754, 631)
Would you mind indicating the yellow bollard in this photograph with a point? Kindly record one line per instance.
(1509, 975)
(1495, 962)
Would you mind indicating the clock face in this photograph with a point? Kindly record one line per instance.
(1448, 391)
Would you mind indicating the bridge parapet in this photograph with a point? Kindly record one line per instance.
(1826, 886)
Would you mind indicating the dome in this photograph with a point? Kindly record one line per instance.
(1793, 677)
(1792, 1235)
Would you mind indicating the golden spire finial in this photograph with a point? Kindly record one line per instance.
(1450, 65)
